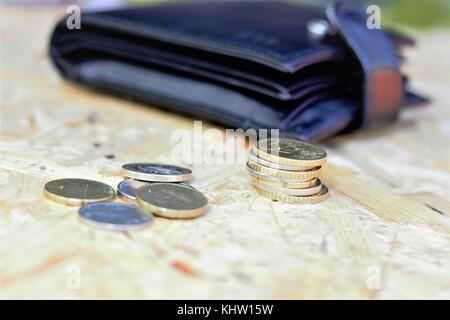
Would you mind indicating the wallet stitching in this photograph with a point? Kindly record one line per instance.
(307, 54)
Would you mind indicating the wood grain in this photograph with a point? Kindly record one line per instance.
(388, 212)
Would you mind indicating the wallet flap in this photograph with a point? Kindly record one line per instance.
(235, 28)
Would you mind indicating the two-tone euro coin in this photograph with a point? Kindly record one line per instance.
(312, 199)
(259, 175)
(253, 157)
(294, 175)
(309, 191)
(77, 192)
(290, 152)
(172, 200)
(289, 185)
(154, 172)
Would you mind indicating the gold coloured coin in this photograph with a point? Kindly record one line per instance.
(171, 200)
(321, 196)
(154, 172)
(304, 175)
(289, 185)
(291, 152)
(255, 159)
(316, 188)
(256, 174)
(77, 192)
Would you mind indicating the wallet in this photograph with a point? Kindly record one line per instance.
(311, 72)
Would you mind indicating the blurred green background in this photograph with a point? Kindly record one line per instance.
(417, 14)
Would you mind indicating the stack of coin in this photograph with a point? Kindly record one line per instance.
(287, 170)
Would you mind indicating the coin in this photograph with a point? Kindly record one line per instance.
(321, 196)
(126, 191)
(77, 191)
(256, 174)
(114, 216)
(254, 158)
(172, 200)
(156, 172)
(316, 188)
(136, 184)
(304, 175)
(289, 185)
(291, 152)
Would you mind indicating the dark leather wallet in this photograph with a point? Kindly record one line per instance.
(309, 71)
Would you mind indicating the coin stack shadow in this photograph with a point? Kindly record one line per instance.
(297, 182)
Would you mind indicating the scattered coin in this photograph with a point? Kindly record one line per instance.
(303, 175)
(126, 191)
(77, 191)
(321, 196)
(156, 172)
(291, 152)
(172, 200)
(316, 188)
(114, 216)
(252, 157)
(136, 184)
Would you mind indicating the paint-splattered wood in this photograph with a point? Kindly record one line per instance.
(388, 213)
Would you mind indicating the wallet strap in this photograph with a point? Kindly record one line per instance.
(383, 92)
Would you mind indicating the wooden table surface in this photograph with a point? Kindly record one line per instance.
(384, 232)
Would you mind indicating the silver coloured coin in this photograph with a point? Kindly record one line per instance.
(154, 172)
(126, 191)
(114, 216)
(136, 184)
